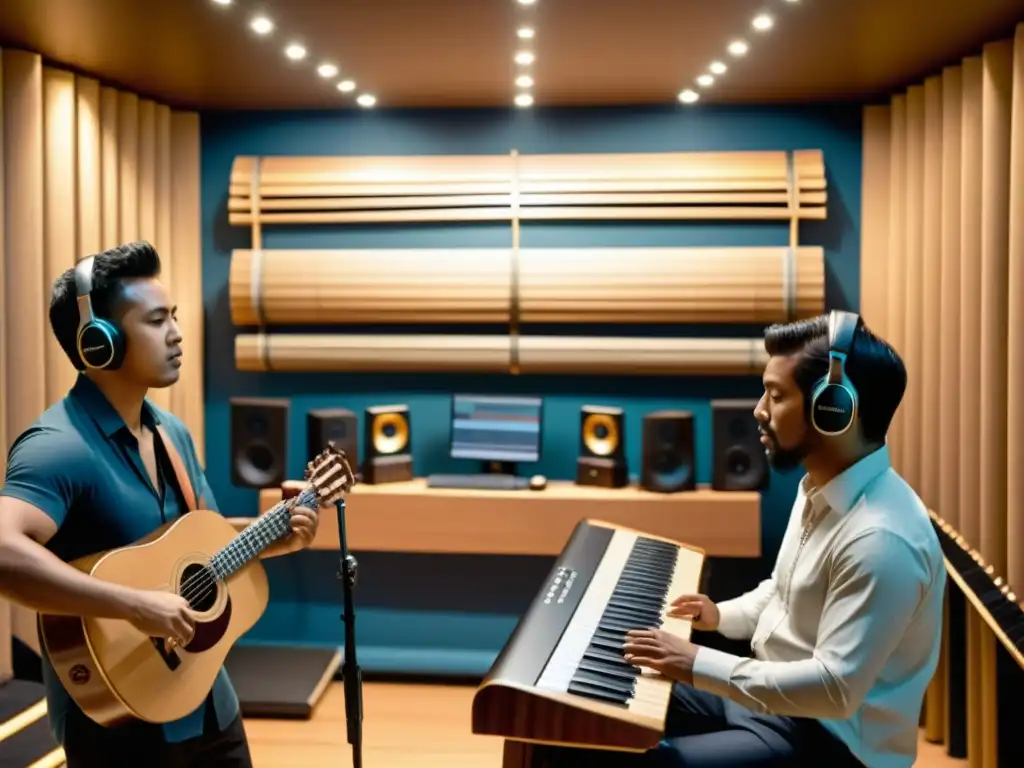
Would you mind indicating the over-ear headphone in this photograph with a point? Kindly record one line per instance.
(834, 398)
(100, 342)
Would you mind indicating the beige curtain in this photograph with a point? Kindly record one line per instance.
(84, 167)
(942, 277)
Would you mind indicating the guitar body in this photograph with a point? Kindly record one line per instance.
(116, 673)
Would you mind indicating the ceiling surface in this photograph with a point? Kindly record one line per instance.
(459, 53)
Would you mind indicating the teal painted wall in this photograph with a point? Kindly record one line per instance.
(452, 614)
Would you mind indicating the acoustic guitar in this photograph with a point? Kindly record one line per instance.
(116, 673)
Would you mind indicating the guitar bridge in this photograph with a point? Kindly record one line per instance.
(170, 657)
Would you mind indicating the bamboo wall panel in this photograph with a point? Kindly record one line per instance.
(955, 263)
(564, 285)
(349, 353)
(458, 285)
(930, 287)
(997, 89)
(970, 301)
(875, 202)
(80, 171)
(895, 321)
(711, 185)
(1015, 329)
(913, 275)
(670, 285)
(949, 314)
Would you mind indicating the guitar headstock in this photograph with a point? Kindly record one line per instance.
(330, 475)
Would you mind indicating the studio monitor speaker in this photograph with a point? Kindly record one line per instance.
(259, 441)
(667, 464)
(739, 460)
(388, 444)
(336, 425)
(602, 452)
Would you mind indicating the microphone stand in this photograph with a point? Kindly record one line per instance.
(351, 674)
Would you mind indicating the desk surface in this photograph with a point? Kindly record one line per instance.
(410, 517)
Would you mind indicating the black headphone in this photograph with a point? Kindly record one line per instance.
(100, 342)
(834, 399)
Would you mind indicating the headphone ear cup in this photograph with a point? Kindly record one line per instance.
(101, 345)
(834, 408)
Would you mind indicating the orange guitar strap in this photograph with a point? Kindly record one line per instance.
(184, 483)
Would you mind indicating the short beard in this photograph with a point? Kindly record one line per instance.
(782, 459)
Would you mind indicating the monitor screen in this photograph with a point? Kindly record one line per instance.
(496, 428)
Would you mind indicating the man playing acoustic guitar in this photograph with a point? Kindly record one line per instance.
(93, 473)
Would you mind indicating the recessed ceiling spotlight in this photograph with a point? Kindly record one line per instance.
(763, 22)
(524, 57)
(738, 48)
(366, 100)
(261, 25)
(524, 81)
(526, 2)
(524, 100)
(295, 52)
(326, 70)
(346, 86)
(717, 68)
(525, 33)
(792, 2)
(705, 81)
(222, 2)
(688, 96)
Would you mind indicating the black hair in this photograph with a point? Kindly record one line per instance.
(874, 368)
(110, 269)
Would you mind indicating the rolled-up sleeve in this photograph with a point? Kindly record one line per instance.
(877, 584)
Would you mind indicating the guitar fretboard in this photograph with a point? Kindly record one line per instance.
(267, 529)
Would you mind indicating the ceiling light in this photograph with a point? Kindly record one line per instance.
(717, 68)
(524, 81)
(688, 96)
(763, 22)
(346, 86)
(527, 2)
(366, 100)
(295, 52)
(222, 2)
(705, 81)
(525, 33)
(327, 70)
(524, 100)
(261, 25)
(738, 48)
(524, 57)
(791, 2)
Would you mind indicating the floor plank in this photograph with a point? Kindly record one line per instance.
(407, 725)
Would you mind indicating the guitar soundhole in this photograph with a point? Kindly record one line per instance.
(199, 586)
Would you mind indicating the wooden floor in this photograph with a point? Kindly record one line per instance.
(406, 726)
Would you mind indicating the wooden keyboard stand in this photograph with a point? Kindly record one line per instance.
(410, 517)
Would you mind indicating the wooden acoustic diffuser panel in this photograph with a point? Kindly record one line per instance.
(699, 185)
(335, 353)
(539, 285)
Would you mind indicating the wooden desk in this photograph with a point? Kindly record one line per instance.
(410, 517)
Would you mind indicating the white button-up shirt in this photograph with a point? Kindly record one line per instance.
(847, 629)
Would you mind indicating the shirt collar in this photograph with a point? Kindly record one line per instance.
(841, 492)
(95, 403)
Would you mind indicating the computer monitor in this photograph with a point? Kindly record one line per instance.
(498, 430)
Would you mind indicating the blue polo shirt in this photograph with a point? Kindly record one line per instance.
(80, 465)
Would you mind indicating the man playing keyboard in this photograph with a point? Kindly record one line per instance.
(845, 632)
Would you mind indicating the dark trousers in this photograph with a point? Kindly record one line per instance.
(88, 745)
(703, 730)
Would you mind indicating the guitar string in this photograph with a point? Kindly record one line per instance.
(191, 589)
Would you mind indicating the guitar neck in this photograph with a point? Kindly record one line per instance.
(264, 531)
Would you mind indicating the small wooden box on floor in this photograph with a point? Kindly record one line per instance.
(410, 517)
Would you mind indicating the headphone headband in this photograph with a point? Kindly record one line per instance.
(842, 327)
